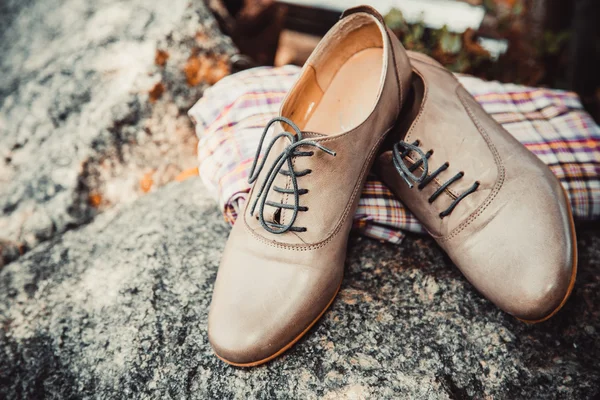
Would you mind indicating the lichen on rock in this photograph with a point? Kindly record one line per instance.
(93, 96)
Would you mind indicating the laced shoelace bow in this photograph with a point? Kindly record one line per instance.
(286, 156)
(425, 178)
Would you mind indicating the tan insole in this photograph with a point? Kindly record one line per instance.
(351, 95)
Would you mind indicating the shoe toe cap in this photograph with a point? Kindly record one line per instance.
(538, 298)
(523, 258)
(236, 340)
(260, 307)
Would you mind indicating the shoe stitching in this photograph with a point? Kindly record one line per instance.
(276, 169)
(369, 160)
(412, 57)
(413, 127)
(436, 182)
(449, 191)
(399, 154)
(398, 80)
(497, 160)
(357, 189)
(288, 181)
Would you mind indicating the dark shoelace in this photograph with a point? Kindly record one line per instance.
(287, 155)
(424, 179)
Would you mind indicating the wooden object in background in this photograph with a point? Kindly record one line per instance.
(253, 25)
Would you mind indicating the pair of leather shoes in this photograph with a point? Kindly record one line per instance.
(361, 99)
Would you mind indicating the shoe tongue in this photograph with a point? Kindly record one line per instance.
(308, 135)
(282, 215)
(277, 215)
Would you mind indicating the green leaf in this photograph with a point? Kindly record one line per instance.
(462, 64)
(417, 31)
(395, 20)
(489, 6)
(450, 43)
(518, 9)
(554, 42)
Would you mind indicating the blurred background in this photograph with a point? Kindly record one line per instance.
(552, 43)
(95, 95)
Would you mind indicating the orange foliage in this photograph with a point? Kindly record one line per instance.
(161, 58)
(146, 182)
(156, 92)
(471, 44)
(94, 199)
(201, 37)
(200, 68)
(188, 173)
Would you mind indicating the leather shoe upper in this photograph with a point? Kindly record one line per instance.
(493, 206)
(283, 262)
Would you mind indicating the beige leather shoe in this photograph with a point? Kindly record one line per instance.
(493, 206)
(284, 259)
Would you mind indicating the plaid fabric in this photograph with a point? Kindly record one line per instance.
(552, 124)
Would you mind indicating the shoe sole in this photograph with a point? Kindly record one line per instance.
(573, 271)
(287, 346)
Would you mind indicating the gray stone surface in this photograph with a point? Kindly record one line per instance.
(111, 296)
(77, 128)
(118, 309)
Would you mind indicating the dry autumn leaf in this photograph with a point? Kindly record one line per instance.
(201, 37)
(471, 45)
(188, 173)
(161, 58)
(146, 182)
(200, 68)
(95, 200)
(156, 92)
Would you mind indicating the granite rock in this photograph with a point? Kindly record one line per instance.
(118, 309)
(110, 295)
(90, 115)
